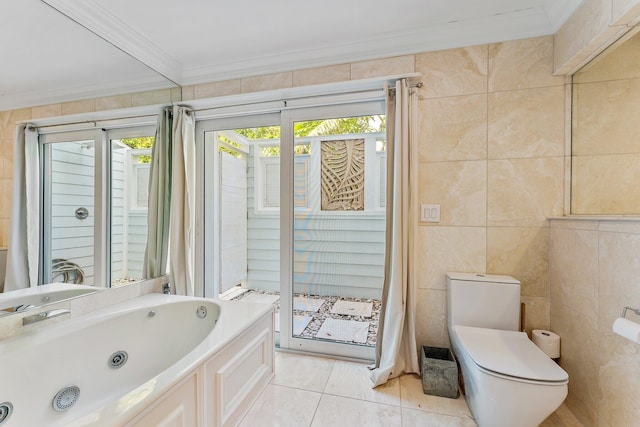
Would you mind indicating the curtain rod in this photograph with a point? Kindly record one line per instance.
(147, 115)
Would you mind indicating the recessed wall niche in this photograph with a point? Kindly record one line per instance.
(605, 146)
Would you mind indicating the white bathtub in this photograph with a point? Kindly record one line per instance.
(40, 295)
(167, 344)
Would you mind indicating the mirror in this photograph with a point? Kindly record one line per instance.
(55, 58)
(605, 146)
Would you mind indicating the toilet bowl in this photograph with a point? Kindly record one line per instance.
(508, 381)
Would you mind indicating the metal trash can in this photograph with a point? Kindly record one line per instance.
(439, 372)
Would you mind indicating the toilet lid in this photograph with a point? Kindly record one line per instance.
(509, 353)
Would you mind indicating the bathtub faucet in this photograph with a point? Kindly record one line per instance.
(28, 320)
(166, 289)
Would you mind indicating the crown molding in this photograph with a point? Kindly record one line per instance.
(95, 18)
(508, 26)
(66, 94)
(559, 11)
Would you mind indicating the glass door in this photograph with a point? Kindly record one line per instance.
(71, 227)
(336, 179)
(241, 164)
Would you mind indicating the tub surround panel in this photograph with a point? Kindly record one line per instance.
(594, 274)
(178, 407)
(237, 374)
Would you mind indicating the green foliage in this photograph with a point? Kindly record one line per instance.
(339, 126)
(140, 143)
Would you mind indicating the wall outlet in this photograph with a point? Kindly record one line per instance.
(430, 213)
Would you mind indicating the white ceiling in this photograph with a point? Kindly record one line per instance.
(60, 50)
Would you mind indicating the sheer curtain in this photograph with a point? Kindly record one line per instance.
(155, 257)
(396, 349)
(183, 203)
(171, 235)
(23, 254)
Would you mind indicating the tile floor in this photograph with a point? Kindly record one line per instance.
(318, 391)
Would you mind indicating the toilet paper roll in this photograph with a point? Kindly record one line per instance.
(547, 341)
(628, 329)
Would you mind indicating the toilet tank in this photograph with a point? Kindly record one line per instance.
(483, 300)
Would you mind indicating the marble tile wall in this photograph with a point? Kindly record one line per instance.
(492, 153)
(605, 151)
(594, 270)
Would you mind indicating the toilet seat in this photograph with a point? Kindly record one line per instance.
(509, 354)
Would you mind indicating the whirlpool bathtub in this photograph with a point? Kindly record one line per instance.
(146, 361)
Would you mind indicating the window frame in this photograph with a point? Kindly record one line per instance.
(102, 210)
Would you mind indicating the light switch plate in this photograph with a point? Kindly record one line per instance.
(430, 213)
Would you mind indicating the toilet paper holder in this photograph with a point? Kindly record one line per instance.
(635, 310)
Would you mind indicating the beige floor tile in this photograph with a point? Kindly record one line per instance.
(282, 406)
(414, 417)
(349, 379)
(340, 411)
(412, 397)
(300, 371)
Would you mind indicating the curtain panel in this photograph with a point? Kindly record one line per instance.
(183, 202)
(23, 256)
(156, 251)
(396, 349)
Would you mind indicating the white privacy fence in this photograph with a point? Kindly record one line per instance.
(337, 253)
(72, 186)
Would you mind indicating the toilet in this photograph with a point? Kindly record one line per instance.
(508, 381)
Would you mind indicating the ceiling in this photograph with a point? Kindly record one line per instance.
(61, 50)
